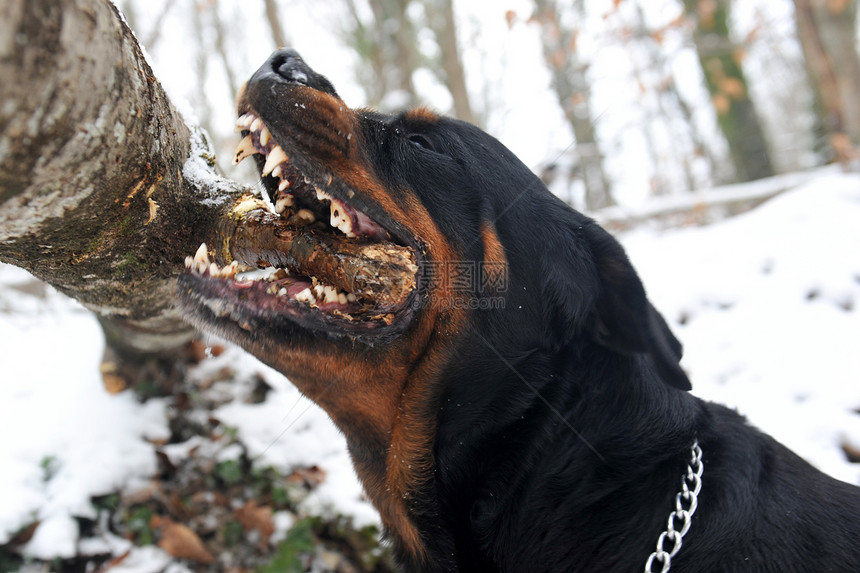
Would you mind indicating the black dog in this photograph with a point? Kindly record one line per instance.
(518, 406)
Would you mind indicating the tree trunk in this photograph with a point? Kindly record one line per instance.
(721, 66)
(274, 20)
(441, 16)
(827, 32)
(103, 188)
(574, 95)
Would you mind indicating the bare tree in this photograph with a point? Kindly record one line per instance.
(721, 65)
(570, 82)
(387, 51)
(828, 36)
(440, 14)
(279, 37)
(103, 188)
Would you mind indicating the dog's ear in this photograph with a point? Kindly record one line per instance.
(625, 320)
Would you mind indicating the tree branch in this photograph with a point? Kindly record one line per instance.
(103, 187)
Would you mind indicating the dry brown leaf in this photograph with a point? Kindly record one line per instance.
(180, 541)
(113, 382)
(256, 517)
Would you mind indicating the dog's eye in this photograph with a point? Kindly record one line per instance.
(421, 141)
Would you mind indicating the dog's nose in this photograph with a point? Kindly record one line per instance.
(286, 65)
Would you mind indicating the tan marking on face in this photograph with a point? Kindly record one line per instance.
(421, 114)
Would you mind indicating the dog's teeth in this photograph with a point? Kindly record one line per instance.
(214, 270)
(319, 290)
(341, 298)
(229, 271)
(273, 289)
(351, 297)
(244, 149)
(189, 262)
(256, 124)
(330, 294)
(306, 296)
(283, 202)
(282, 292)
(279, 274)
(201, 258)
(276, 172)
(265, 136)
(244, 121)
(276, 157)
(284, 184)
(322, 195)
(340, 218)
(306, 215)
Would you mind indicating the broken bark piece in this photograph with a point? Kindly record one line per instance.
(381, 272)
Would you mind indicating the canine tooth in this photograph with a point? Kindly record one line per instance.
(201, 258)
(283, 202)
(276, 172)
(265, 136)
(306, 215)
(256, 124)
(243, 150)
(306, 296)
(244, 121)
(229, 271)
(284, 184)
(276, 157)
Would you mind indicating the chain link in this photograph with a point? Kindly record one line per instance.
(686, 503)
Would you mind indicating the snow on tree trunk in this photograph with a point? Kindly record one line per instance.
(103, 188)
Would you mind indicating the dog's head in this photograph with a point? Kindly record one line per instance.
(401, 237)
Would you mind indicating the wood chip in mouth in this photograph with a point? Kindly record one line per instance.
(381, 273)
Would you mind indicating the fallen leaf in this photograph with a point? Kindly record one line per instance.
(180, 541)
(255, 517)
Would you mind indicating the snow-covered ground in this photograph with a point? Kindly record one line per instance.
(766, 304)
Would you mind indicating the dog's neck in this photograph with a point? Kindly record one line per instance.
(581, 446)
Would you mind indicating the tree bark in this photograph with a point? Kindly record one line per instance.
(828, 37)
(103, 188)
(724, 77)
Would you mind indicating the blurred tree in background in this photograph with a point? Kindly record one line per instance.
(713, 91)
(721, 60)
(828, 35)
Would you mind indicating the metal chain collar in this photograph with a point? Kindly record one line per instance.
(686, 502)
